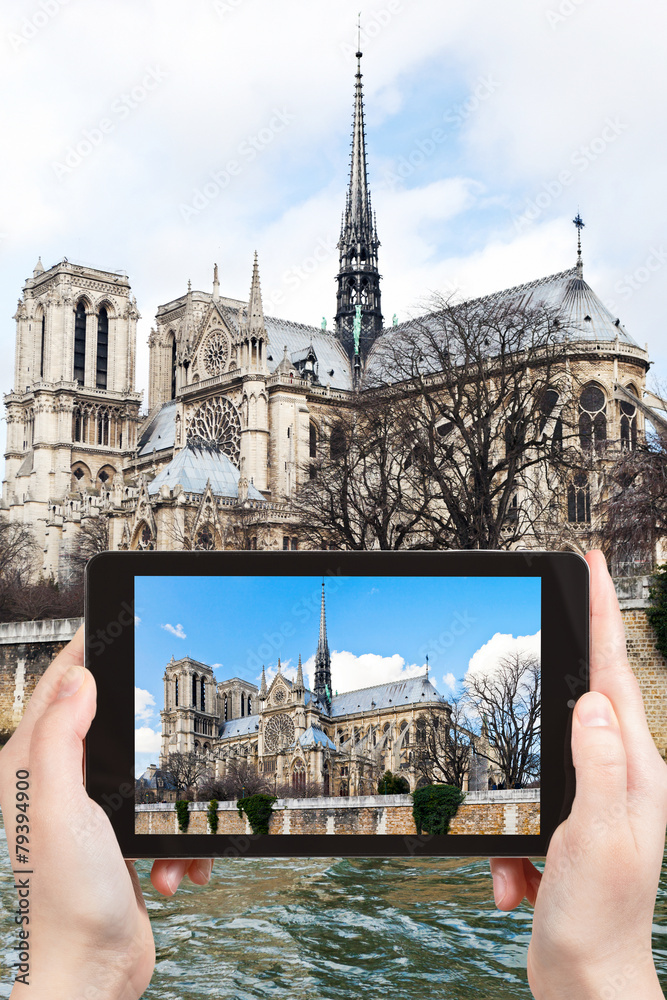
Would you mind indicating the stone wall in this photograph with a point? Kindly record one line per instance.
(648, 666)
(26, 649)
(512, 811)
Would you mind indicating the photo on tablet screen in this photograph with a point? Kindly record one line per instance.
(325, 694)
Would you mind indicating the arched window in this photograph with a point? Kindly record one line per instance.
(80, 343)
(173, 366)
(420, 732)
(299, 777)
(203, 695)
(249, 706)
(194, 690)
(145, 540)
(579, 500)
(337, 442)
(42, 347)
(592, 417)
(628, 423)
(313, 441)
(103, 427)
(226, 711)
(102, 348)
(176, 692)
(242, 704)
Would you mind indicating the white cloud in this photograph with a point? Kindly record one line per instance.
(144, 704)
(449, 680)
(137, 620)
(487, 658)
(176, 630)
(350, 672)
(147, 740)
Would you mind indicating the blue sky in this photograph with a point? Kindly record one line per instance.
(379, 628)
(520, 91)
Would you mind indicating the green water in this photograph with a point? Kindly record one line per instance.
(328, 929)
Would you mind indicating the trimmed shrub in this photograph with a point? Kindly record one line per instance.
(434, 806)
(258, 809)
(183, 813)
(212, 815)
(393, 784)
(657, 612)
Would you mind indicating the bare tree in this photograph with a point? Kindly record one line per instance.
(92, 538)
(507, 702)
(185, 769)
(18, 555)
(481, 391)
(242, 779)
(360, 493)
(633, 508)
(443, 748)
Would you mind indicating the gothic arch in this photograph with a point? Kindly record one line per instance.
(143, 537)
(105, 476)
(81, 476)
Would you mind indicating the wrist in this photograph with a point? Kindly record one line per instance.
(628, 980)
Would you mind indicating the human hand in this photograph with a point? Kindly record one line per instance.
(88, 920)
(594, 902)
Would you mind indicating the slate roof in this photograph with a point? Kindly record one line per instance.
(193, 466)
(583, 316)
(148, 782)
(298, 337)
(411, 691)
(246, 726)
(314, 736)
(160, 433)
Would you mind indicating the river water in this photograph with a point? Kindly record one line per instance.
(329, 929)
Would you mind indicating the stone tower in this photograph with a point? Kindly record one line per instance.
(358, 312)
(72, 416)
(252, 349)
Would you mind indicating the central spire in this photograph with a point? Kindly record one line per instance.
(322, 686)
(358, 312)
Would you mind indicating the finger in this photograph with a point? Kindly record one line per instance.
(56, 747)
(41, 698)
(200, 870)
(167, 874)
(612, 676)
(513, 880)
(600, 762)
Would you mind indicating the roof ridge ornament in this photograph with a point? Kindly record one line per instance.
(579, 223)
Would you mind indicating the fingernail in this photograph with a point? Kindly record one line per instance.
(203, 867)
(71, 682)
(499, 887)
(594, 710)
(173, 877)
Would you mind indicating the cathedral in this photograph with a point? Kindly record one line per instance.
(341, 743)
(241, 404)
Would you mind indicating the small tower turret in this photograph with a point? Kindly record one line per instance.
(322, 686)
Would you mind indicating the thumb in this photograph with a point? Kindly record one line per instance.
(599, 758)
(56, 746)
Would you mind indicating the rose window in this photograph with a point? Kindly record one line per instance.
(217, 422)
(215, 353)
(279, 732)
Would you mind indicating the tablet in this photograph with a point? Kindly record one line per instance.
(334, 703)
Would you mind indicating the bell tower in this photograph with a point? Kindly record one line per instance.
(73, 413)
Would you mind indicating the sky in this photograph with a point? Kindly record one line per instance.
(379, 629)
(160, 137)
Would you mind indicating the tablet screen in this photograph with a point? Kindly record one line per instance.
(342, 701)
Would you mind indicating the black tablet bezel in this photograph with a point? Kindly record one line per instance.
(109, 751)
